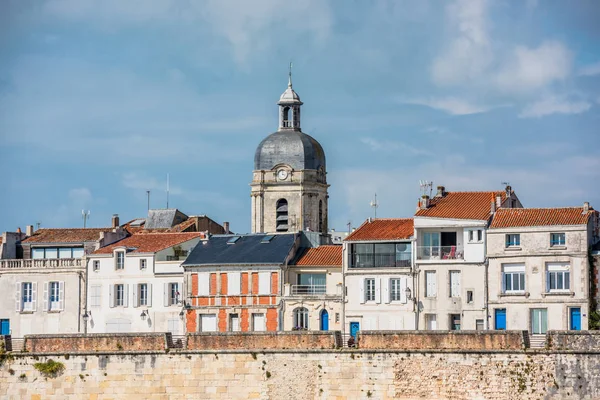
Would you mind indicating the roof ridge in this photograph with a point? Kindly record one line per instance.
(545, 208)
(81, 229)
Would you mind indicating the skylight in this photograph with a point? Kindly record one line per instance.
(233, 240)
(267, 239)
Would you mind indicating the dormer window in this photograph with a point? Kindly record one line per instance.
(120, 260)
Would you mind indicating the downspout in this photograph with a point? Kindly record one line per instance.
(85, 304)
(416, 285)
(344, 270)
(485, 280)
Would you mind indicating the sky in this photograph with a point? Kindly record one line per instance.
(100, 100)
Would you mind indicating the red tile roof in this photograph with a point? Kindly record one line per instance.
(515, 217)
(383, 229)
(66, 235)
(330, 255)
(461, 205)
(149, 242)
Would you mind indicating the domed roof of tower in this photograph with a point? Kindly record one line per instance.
(292, 147)
(289, 96)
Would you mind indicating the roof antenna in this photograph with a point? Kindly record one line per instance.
(85, 214)
(167, 190)
(374, 204)
(148, 195)
(38, 225)
(424, 186)
(290, 76)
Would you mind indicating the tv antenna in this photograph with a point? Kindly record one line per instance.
(167, 190)
(505, 184)
(38, 225)
(85, 214)
(374, 204)
(349, 227)
(148, 195)
(425, 185)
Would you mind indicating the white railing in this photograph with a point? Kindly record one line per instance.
(41, 263)
(308, 289)
(440, 253)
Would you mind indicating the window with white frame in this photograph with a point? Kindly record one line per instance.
(119, 260)
(454, 283)
(557, 239)
(119, 295)
(172, 295)
(513, 278)
(558, 277)
(233, 283)
(369, 289)
(471, 235)
(203, 284)
(264, 283)
(95, 295)
(430, 284)
(96, 265)
(479, 235)
(143, 263)
(513, 240)
(54, 294)
(300, 319)
(143, 294)
(26, 296)
(395, 289)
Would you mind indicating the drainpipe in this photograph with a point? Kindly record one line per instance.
(485, 280)
(85, 303)
(416, 285)
(345, 254)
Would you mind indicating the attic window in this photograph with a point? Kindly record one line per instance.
(267, 239)
(233, 240)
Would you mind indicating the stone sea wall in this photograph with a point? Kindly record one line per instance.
(96, 342)
(264, 340)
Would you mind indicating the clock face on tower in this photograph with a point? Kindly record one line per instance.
(282, 174)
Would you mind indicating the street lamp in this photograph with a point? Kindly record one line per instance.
(408, 293)
(86, 316)
(144, 314)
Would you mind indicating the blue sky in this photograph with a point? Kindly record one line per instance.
(99, 100)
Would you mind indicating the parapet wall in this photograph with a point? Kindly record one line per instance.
(97, 342)
(571, 340)
(264, 340)
(441, 340)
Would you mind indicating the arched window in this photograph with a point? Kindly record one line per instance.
(321, 216)
(287, 122)
(281, 216)
(300, 319)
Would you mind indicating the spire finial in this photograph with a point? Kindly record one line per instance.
(290, 76)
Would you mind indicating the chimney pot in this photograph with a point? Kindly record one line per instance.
(586, 206)
(115, 220)
(28, 230)
(19, 230)
(226, 226)
(424, 202)
(498, 201)
(441, 191)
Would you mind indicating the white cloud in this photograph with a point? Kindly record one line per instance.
(450, 105)
(554, 105)
(529, 69)
(590, 70)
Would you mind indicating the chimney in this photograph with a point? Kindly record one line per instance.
(19, 230)
(493, 205)
(28, 230)
(441, 191)
(226, 226)
(498, 201)
(424, 202)
(115, 220)
(586, 206)
(508, 190)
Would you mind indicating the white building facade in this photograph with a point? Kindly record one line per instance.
(136, 284)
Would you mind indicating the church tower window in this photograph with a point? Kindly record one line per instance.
(320, 215)
(281, 215)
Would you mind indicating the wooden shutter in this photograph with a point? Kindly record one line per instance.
(111, 296)
(18, 296)
(34, 296)
(387, 289)
(61, 296)
(362, 291)
(378, 290)
(166, 295)
(149, 285)
(136, 291)
(46, 296)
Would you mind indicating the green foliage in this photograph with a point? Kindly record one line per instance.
(268, 374)
(50, 369)
(594, 315)
(22, 377)
(119, 346)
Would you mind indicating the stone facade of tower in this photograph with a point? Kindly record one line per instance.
(289, 183)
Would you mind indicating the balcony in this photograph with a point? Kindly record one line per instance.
(440, 253)
(380, 260)
(308, 290)
(41, 263)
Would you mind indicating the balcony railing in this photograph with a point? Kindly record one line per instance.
(308, 289)
(440, 253)
(380, 260)
(41, 263)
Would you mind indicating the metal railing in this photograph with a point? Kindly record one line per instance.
(308, 289)
(176, 341)
(41, 263)
(440, 253)
(380, 260)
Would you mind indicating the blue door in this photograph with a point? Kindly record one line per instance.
(575, 319)
(354, 328)
(324, 320)
(4, 327)
(500, 320)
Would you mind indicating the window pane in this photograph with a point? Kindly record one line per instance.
(522, 286)
(64, 252)
(51, 253)
(567, 280)
(552, 277)
(77, 252)
(37, 253)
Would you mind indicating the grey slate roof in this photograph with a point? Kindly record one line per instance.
(164, 218)
(292, 147)
(248, 249)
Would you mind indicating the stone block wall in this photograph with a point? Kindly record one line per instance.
(576, 341)
(441, 340)
(263, 340)
(98, 342)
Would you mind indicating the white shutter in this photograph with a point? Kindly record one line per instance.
(149, 295)
(18, 296)
(46, 308)
(387, 290)
(454, 283)
(377, 290)
(403, 284)
(431, 285)
(136, 300)
(125, 295)
(203, 284)
(362, 291)
(233, 283)
(34, 296)
(264, 283)
(166, 295)
(111, 296)
(61, 296)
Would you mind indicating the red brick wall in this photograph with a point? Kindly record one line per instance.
(263, 340)
(255, 283)
(190, 321)
(245, 321)
(244, 283)
(223, 283)
(194, 285)
(213, 284)
(222, 320)
(274, 282)
(272, 320)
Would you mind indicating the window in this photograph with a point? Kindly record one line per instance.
(478, 324)
(469, 296)
(54, 292)
(27, 299)
(234, 322)
(455, 322)
(203, 284)
(95, 295)
(513, 240)
(53, 252)
(369, 289)
(143, 263)
(320, 215)
(258, 322)
(233, 240)
(208, 323)
(430, 284)
(395, 289)
(171, 294)
(264, 283)
(119, 295)
(557, 239)
(454, 283)
(310, 284)
(479, 235)
(471, 236)
(430, 322)
(558, 277)
(120, 260)
(281, 216)
(143, 294)
(96, 265)
(380, 255)
(233, 283)
(513, 278)
(300, 319)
